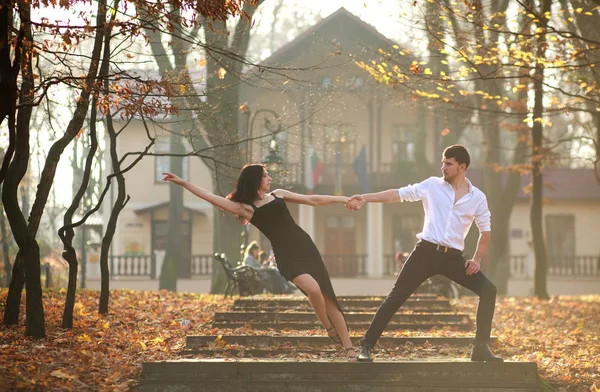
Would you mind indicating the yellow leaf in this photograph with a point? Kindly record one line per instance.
(143, 345)
(62, 291)
(427, 71)
(84, 338)
(158, 340)
(182, 88)
(105, 325)
(60, 374)
(221, 73)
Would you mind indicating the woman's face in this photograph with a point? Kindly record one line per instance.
(265, 183)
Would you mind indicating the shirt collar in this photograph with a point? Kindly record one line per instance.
(471, 187)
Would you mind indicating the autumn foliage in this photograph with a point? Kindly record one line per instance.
(105, 353)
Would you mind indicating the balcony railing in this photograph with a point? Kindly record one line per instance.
(139, 265)
(384, 176)
(202, 265)
(145, 266)
(345, 266)
(573, 266)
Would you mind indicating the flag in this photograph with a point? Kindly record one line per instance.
(313, 167)
(338, 176)
(360, 169)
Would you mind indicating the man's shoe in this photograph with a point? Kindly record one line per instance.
(365, 353)
(481, 353)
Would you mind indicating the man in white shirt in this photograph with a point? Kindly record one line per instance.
(451, 204)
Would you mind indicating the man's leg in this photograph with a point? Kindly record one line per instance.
(416, 270)
(454, 268)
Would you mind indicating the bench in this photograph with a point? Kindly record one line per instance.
(242, 279)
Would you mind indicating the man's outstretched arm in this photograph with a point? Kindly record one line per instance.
(389, 196)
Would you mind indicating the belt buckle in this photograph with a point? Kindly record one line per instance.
(442, 249)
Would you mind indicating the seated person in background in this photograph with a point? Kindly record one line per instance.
(270, 276)
(251, 256)
(263, 258)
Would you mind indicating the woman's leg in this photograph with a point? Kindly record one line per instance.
(310, 286)
(338, 321)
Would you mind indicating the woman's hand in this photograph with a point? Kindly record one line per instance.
(170, 177)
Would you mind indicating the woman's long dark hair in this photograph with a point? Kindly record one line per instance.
(248, 184)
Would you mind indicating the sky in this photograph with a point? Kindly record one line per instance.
(383, 15)
(391, 18)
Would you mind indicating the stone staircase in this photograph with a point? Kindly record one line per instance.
(267, 357)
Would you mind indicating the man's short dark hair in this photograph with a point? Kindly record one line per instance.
(458, 152)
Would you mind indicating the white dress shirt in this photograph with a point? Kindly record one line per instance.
(447, 223)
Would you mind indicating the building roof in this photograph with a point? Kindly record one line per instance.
(157, 206)
(559, 184)
(349, 25)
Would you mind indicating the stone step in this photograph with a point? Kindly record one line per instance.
(294, 341)
(350, 317)
(346, 307)
(359, 327)
(381, 297)
(293, 302)
(250, 375)
(357, 309)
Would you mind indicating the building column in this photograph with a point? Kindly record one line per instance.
(306, 219)
(375, 240)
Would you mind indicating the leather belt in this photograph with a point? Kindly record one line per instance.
(440, 248)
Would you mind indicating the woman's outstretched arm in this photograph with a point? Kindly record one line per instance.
(311, 200)
(218, 201)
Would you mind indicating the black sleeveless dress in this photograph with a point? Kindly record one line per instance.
(294, 250)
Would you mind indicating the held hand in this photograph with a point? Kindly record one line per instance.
(472, 266)
(355, 202)
(170, 177)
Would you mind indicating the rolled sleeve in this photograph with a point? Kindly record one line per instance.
(414, 192)
(483, 217)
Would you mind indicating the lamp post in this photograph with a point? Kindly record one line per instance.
(273, 161)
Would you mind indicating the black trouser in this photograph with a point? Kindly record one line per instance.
(424, 262)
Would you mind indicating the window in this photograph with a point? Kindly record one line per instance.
(560, 238)
(403, 142)
(163, 163)
(340, 139)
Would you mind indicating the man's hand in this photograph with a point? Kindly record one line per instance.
(472, 266)
(355, 202)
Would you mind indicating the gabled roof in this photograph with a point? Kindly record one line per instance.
(350, 26)
(165, 204)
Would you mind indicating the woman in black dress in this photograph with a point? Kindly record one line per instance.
(298, 258)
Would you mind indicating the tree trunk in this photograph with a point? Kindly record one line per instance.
(121, 198)
(15, 288)
(34, 313)
(5, 249)
(66, 232)
(28, 257)
(173, 255)
(536, 215)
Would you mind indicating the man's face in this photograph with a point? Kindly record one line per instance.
(451, 169)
